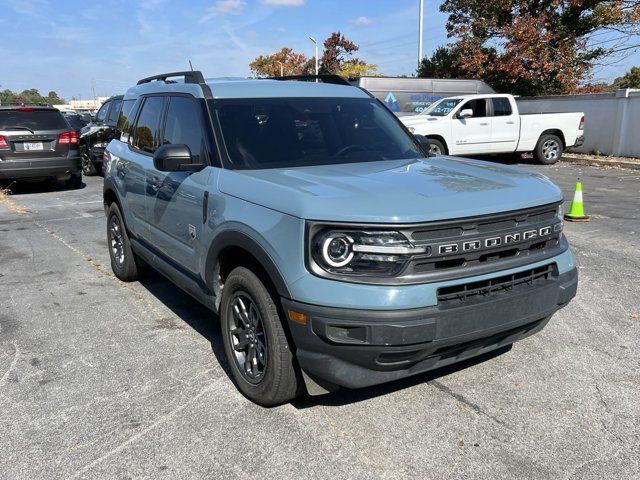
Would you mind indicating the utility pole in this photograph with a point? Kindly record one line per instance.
(316, 44)
(420, 15)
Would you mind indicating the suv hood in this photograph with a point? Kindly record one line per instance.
(398, 191)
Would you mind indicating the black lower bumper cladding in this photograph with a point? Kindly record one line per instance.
(358, 348)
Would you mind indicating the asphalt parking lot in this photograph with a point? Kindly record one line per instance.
(100, 379)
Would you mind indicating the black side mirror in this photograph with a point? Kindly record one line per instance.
(175, 158)
(424, 143)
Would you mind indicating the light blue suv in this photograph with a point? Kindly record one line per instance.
(334, 250)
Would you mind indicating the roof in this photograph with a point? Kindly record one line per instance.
(477, 95)
(250, 88)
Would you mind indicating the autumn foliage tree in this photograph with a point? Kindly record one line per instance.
(530, 47)
(292, 64)
(337, 58)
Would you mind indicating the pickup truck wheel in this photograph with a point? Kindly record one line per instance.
(123, 261)
(255, 343)
(548, 150)
(436, 148)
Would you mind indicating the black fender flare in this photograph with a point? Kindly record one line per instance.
(236, 238)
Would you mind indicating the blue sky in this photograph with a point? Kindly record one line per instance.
(66, 45)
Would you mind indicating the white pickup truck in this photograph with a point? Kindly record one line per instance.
(491, 124)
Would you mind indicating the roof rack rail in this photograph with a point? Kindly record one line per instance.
(324, 78)
(191, 76)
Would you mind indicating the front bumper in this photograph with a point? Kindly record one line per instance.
(40, 167)
(357, 348)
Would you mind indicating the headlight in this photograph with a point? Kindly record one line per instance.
(353, 252)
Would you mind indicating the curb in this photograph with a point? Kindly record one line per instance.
(602, 163)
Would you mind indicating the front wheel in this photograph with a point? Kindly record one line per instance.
(255, 342)
(548, 150)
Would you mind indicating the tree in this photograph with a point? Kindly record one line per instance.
(631, 79)
(358, 68)
(338, 51)
(442, 64)
(30, 95)
(530, 47)
(292, 64)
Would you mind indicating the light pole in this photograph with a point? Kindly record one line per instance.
(281, 68)
(420, 14)
(316, 44)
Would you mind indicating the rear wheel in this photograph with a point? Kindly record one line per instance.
(88, 168)
(124, 262)
(255, 343)
(548, 150)
(436, 148)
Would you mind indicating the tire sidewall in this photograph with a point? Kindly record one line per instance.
(540, 155)
(439, 144)
(242, 279)
(127, 270)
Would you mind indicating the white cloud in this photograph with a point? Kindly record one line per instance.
(224, 7)
(283, 3)
(363, 21)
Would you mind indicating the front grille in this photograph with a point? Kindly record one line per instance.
(484, 289)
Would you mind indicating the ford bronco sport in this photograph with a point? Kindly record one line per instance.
(336, 253)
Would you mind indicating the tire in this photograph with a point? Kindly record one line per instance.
(548, 150)
(75, 181)
(271, 378)
(436, 148)
(124, 263)
(88, 167)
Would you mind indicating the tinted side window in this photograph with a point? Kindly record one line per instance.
(478, 106)
(146, 131)
(183, 125)
(125, 118)
(115, 111)
(501, 107)
(102, 113)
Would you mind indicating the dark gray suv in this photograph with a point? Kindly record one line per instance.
(36, 142)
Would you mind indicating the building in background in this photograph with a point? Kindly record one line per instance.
(91, 105)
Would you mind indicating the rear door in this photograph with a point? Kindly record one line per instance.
(471, 135)
(175, 200)
(505, 128)
(32, 133)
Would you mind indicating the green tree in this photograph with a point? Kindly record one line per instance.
(358, 68)
(530, 47)
(631, 79)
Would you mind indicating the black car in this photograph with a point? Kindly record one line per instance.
(75, 121)
(95, 136)
(36, 142)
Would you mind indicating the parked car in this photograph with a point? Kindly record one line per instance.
(336, 253)
(95, 136)
(37, 143)
(74, 120)
(491, 124)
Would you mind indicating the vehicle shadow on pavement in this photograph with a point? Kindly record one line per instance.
(190, 311)
(207, 324)
(346, 396)
(26, 188)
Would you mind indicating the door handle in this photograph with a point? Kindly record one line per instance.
(511, 123)
(484, 124)
(154, 183)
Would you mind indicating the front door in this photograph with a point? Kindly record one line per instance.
(175, 200)
(471, 134)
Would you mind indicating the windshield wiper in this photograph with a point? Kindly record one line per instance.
(18, 128)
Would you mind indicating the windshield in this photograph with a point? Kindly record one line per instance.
(442, 108)
(298, 132)
(31, 119)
